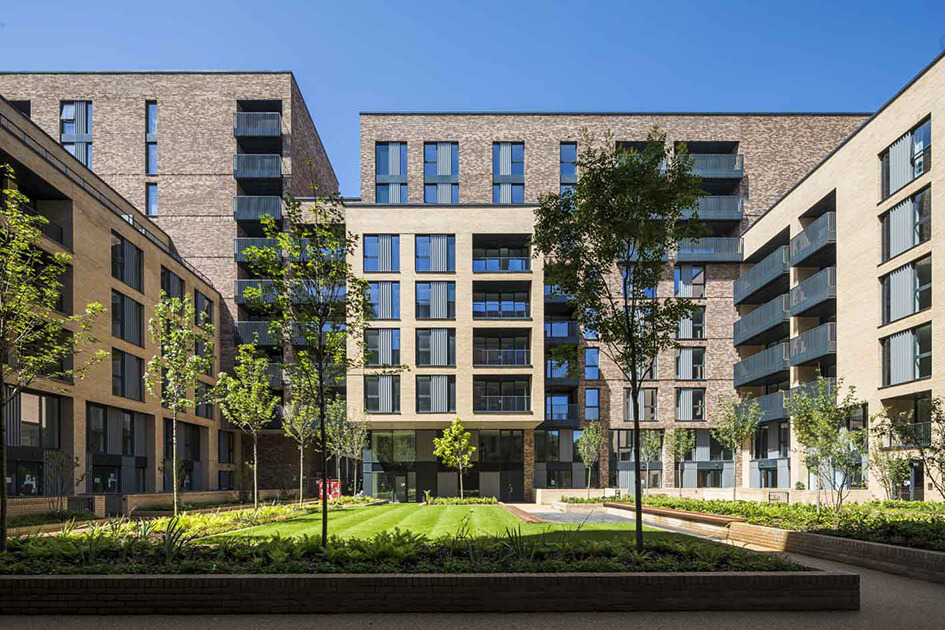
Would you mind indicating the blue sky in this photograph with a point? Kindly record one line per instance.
(673, 55)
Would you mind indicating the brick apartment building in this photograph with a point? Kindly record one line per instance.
(444, 219)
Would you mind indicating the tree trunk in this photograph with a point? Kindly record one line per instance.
(460, 482)
(637, 486)
(338, 467)
(174, 459)
(255, 471)
(324, 449)
(818, 485)
(3, 466)
(679, 479)
(588, 482)
(301, 471)
(736, 462)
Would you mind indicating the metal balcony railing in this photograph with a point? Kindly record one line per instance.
(710, 249)
(761, 365)
(240, 245)
(773, 406)
(554, 294)
(496, 356)
(257, 124)
(717, 208)
(918, 434)
(811, 388)
(763, 318)
(265, 286)
(718, 166)
(247, 331)
(819, 234)
(814, 344)
(257, 166)
(562, 412)
(501, 310)
(817, 289)
(499, 404)
(501, 264)
(252, 207)
(275, 375)
(766, 271)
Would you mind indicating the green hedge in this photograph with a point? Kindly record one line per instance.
(463, 501)
(122, 549)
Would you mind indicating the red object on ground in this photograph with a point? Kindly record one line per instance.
(334, 488)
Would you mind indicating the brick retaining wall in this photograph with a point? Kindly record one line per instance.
(509, 592)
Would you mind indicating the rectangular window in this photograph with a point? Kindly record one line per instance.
(127, 375)
(95, 432)
(227, 444)
(171, 283)
(151, 198)
(127, 319)
(648, 293)
(382, 347)
(436, 300)
(385, 299)
(508, 172)
(690, 364)
(436, 394)
(567, 167)
(150, 162)
(435, 252)
(759, 445)
(692, 327)
(907, 290)
(591, 364)
(717, 452)
(689, 281)
(382, 393)
(225, 479)
(592, 404)
(547, 445)
(391, 172)
(436, 347)
(203, 308)
(75, 129)
(204, 409)
(150, 138)
(127, 433)
(690, 404)
(906, 159)
(784, 438)
(907, 355)
(127, 262)
(907, 224)
(441, 172)
(648, 404)
(381, 252)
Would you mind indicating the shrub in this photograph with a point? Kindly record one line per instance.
(462, 501)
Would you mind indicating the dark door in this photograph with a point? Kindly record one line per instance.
(917, 482)
(512, 486)
(400, 488)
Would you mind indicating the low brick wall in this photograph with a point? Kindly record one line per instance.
(142, 502)
(508, 592)
(27, 506)
(918, 563)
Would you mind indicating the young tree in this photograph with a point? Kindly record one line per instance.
(651, 445)
(36, 341)
(315, 304)
(681, 443)
(247, 401)
(300, 423)
(454, 449)
(890, 468)
(737, 422)
(833, 449)
(356, 441)
(59, 471)
(924, 436)
(625, 214)
(347, 437)
(179, 333)
(589, 445)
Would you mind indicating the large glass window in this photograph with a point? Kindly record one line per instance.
(689, 281)
(127, 319)
(382, 394)
(567, 168)
(591, 363)
(436, 300)
(382, 346)
(649, 409)
(592, 404)
(95, 429)
(436, 394)
(907, 224)
(436, 347)
(508, 172)
(75, 129)
(441, 172)
(127, 262)
(435, 252)
(381, 252)
(547, 445)
(501, 304)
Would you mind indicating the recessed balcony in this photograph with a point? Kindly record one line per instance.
(710, 249)
(557, 374)
(816, 246)
(768, 278)
(257, 166)
(257, 124)
(718, 166)
(815, 296)
(766, 323)
(768, 366)
(561, 331)
(254, 207)
(241, 245)
(717, 208)
(773, 406)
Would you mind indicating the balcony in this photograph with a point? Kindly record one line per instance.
(265, 286)
(810, 388)
(501, 264)
(275, 375)
(247, 331)
(562, 414)
(766, 323)
(718, 166)
(561, 331)
(815, 296)
(768, 278)
(502, 404)
(710, 249)
(769, 365)
(918, 434)
(257, 124)
(717, 208)
(814, 345)
(257, 166)
(553, 295)
(240, 245)
(501, 309)
(501, 357)
(557, 375)
(817, 245)
(773, 406)
(253, 207)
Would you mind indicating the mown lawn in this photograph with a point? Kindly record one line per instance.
(433, 521)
